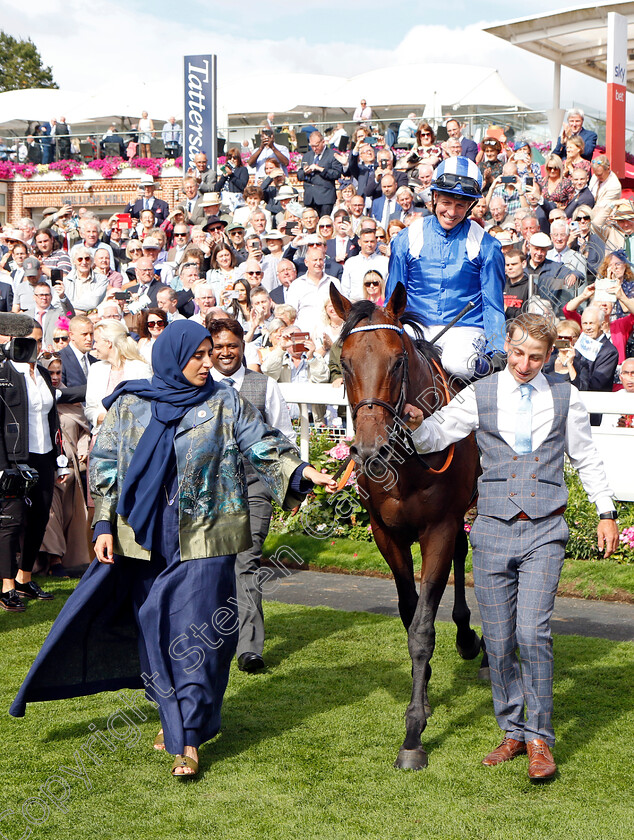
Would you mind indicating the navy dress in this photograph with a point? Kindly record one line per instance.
(129, 625)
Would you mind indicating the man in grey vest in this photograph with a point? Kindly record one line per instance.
(264, 394)
(524, 423)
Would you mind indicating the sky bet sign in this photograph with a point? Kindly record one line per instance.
(616, 79)
(199, 134)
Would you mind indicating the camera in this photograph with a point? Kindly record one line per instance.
(16, 482)
(507, 179)
(19, 350)
(122, 296)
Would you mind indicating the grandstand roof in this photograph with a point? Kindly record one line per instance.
(575, 38)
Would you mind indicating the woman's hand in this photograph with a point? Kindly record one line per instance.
(104, 549)
(322, 479)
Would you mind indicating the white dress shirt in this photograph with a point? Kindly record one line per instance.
(309, 298)
(40, 403)
(355, 269)
(276, 410)
(460, 417)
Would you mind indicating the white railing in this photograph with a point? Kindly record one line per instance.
(615, 445)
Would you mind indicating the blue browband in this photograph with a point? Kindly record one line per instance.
(369, 327)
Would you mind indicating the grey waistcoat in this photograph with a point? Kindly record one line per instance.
(254, 390)
(510, 483)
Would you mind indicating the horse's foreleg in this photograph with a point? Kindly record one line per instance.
(468, 643)
(436, 549)
(398, 556)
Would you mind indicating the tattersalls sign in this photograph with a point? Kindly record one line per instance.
(617, 80)
(199, 134)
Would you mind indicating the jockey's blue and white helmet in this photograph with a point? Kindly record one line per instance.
(458, 176)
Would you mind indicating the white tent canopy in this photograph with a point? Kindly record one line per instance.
(301, 96)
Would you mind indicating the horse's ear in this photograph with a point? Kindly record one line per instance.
(397, 302)
(340, 303)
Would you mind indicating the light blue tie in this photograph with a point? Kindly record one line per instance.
(524, 424)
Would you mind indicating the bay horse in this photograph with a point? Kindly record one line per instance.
(409, 499)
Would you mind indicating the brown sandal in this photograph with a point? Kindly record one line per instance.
(159, 741)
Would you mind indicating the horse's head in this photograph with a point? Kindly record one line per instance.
(374, 364)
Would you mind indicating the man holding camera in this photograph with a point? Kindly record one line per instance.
(30, 454)
(267, 149)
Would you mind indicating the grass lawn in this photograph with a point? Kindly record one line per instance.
(604, 579)
(307, 747)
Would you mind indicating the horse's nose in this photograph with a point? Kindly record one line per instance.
(364, 453)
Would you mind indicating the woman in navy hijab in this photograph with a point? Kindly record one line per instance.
(157, 607)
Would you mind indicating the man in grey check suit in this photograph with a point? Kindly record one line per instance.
(524, 423)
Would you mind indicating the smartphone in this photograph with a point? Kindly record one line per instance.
(56, 275)
(299, 341)
(122, 296)
(383, 164)
(529, 180)
(563, 343)
(289, 228)
(507, 179)
(574, 227)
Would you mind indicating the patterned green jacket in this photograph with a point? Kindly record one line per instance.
(212, 496)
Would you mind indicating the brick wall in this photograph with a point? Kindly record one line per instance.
(30, 197)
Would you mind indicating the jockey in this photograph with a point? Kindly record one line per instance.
(446, 260)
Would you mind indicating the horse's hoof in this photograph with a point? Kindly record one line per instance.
(411, 759)
(484, 674)
(473, 649)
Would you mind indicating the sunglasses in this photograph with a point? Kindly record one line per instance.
(584, 219)
(83, 259)
(60, 338)
(47, 355)
(425, 134)
(156, 324)
(552, 169)
(136, 250)
(254, 273)
(325, 226)
(372, 283)
(179, 234)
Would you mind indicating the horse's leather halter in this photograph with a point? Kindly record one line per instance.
(396, 410)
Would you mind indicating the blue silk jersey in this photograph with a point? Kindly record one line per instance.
(443, 270)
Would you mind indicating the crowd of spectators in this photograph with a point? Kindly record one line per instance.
(248, 243)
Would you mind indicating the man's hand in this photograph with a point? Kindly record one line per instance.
(413, 416)
(104, 549)
(608, 536)
(570, 280)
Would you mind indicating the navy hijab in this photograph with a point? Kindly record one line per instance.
(171, 396)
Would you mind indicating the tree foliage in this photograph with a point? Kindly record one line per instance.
(21, 65)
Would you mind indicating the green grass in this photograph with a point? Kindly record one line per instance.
(307, 747)
(604, 579)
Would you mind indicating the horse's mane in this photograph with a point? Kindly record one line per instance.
(365, 309)
(359, 310)
(414, 322)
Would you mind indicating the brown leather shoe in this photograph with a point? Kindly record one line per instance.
(541, 766)
(508, 749)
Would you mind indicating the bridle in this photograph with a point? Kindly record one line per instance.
(397, 410)
(394, 410)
